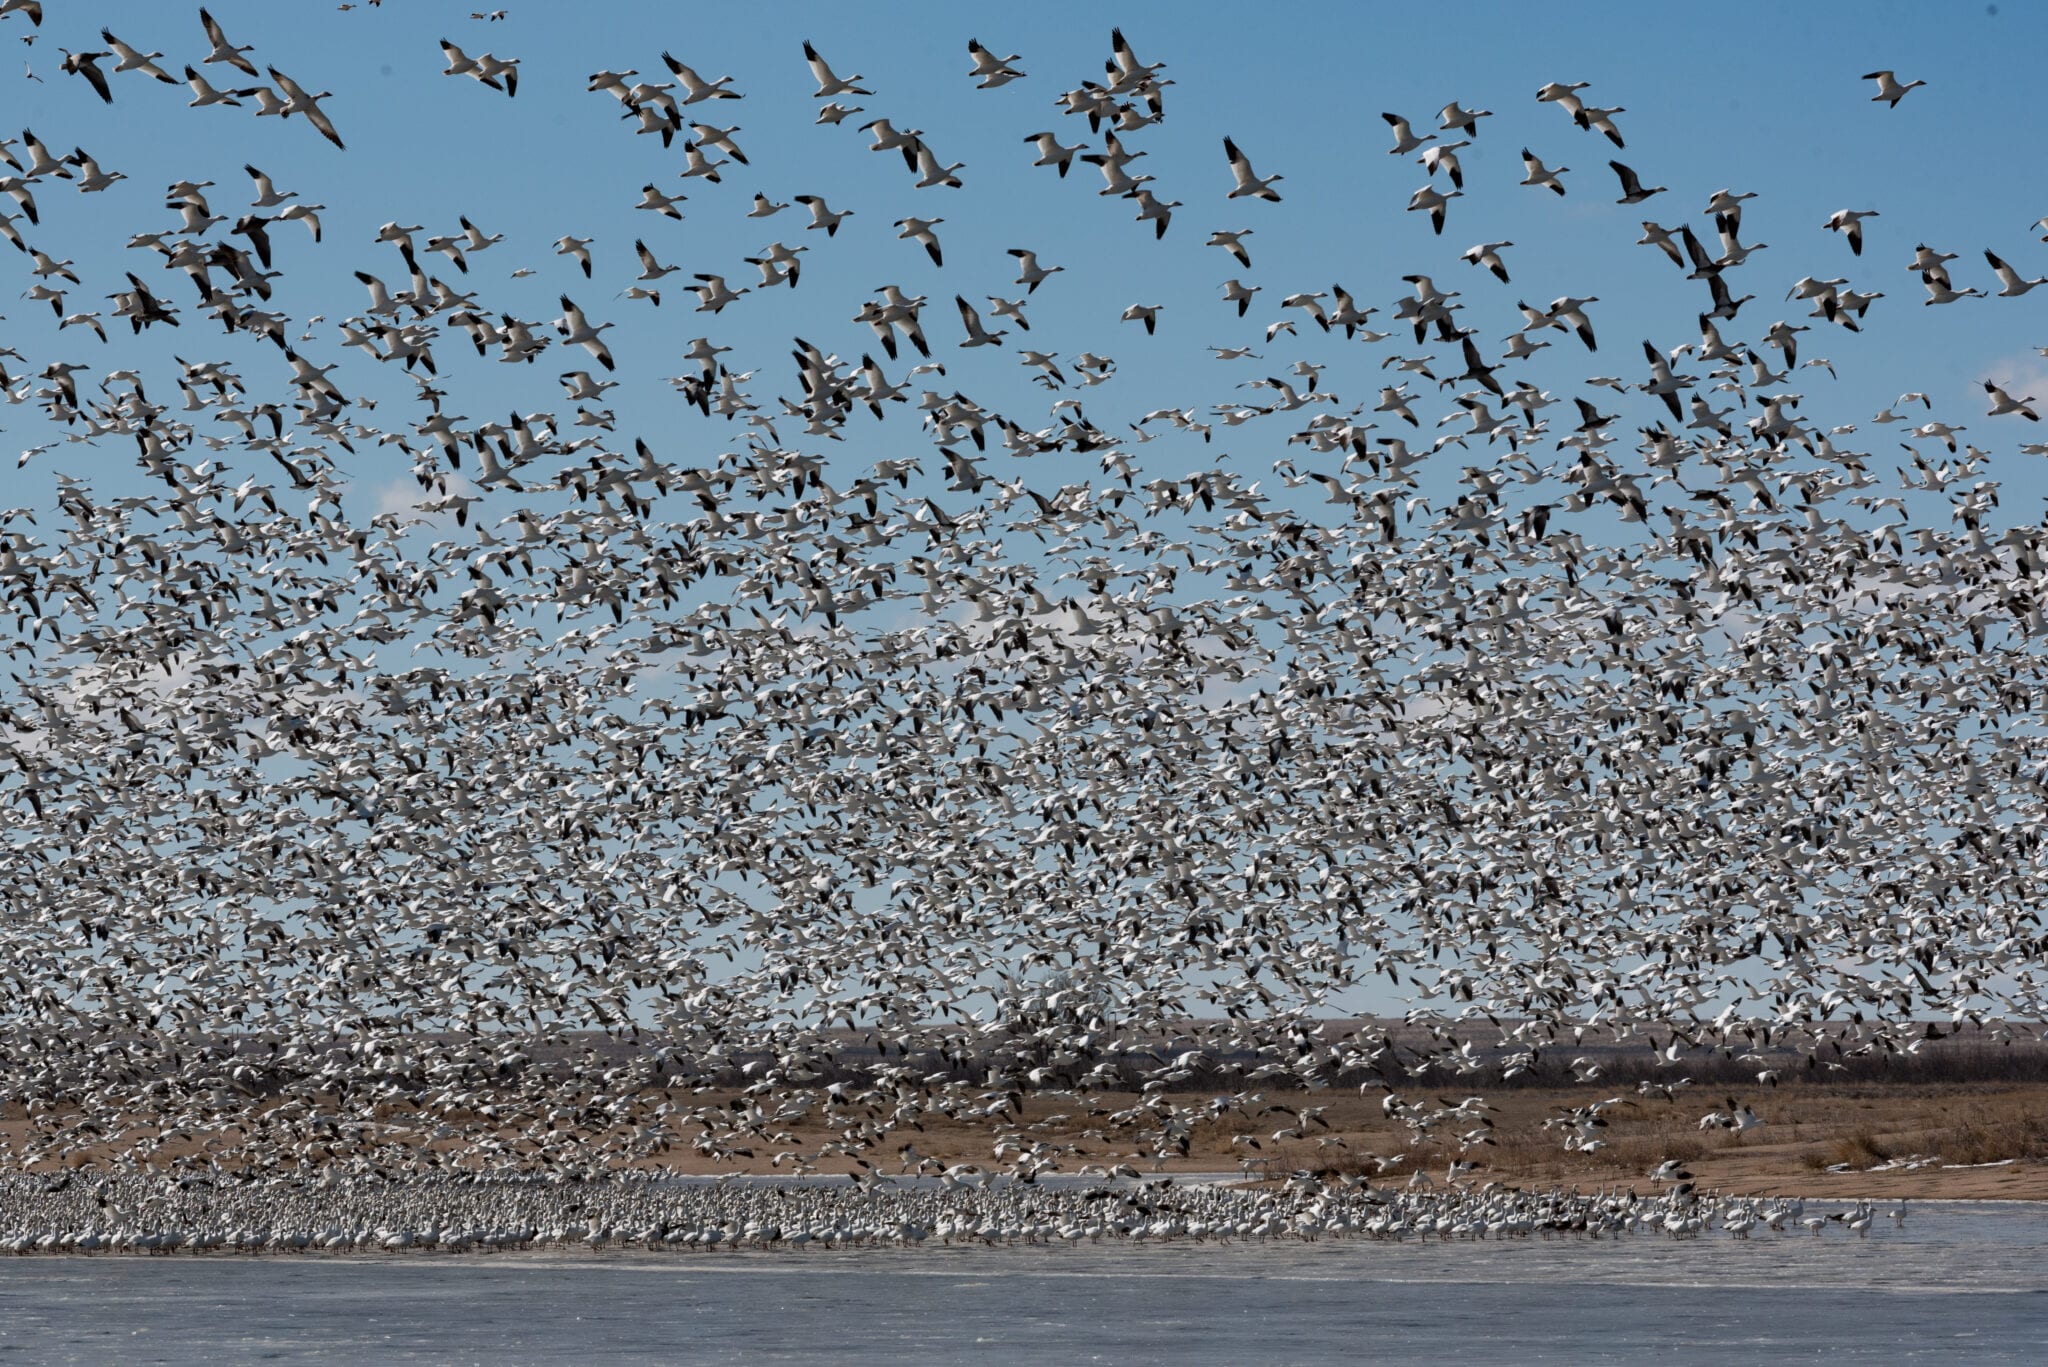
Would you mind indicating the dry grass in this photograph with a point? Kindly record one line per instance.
(1809, 1130)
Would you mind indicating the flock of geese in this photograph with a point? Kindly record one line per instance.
(616, 793)
(638, 1212)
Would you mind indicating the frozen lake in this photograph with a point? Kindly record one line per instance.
(1957, 1283)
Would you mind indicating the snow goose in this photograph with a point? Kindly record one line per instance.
(204, 94)
(695, 88)
(297, 100)
(2009, 279)
(830, 85)
(822, 215)
(991, 70)
(1454, 115)
(1850, 222)
(1632, 191)
(1052, 153)
(1432, 201)
(919, 230)
(1249, 182)
(1487, 254)
(2003, 403)
(1889, 89)
(1405, 140)
(1029, 273)
(223, 50)
(977, 334)
(128, 59)
(1537, 174)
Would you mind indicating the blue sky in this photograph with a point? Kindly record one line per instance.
(1761, 98)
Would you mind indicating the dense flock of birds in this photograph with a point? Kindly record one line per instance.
(654, 1214)
(629, 793)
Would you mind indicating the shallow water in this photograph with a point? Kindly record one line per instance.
(1957, 1283)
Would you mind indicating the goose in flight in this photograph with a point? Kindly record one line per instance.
(653, 198)
(1537, 174)
(223, 50)
(1051, 153)
(1564, 94)
(1157, 211)
(577, 331)
(83, 64)
(298, 101)
(919, 230)
(1487, 254)
(1232, 242)
(1601, 121)
(1454, 115)
(822, 215)
(1248, 181)
(491, 70)
(695, 88)
(578, 247)
(650, 268)
(992, 70)
(1632, 191)
(2003, 403)
(1405, 140)
(1940, 292)
(930, 174)
(1432, 201)
(1148, 314)
(2009, 279)
(268, 196)
(830, 85)
(1029, 273)
(1850, 222)
(977, 335)
(128, 59)
(204, 94)
(1444, 157)
(1888, 88)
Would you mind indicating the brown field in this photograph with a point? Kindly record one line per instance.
(1927, 1122)
(1921, 1137)
(1902, 1139)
